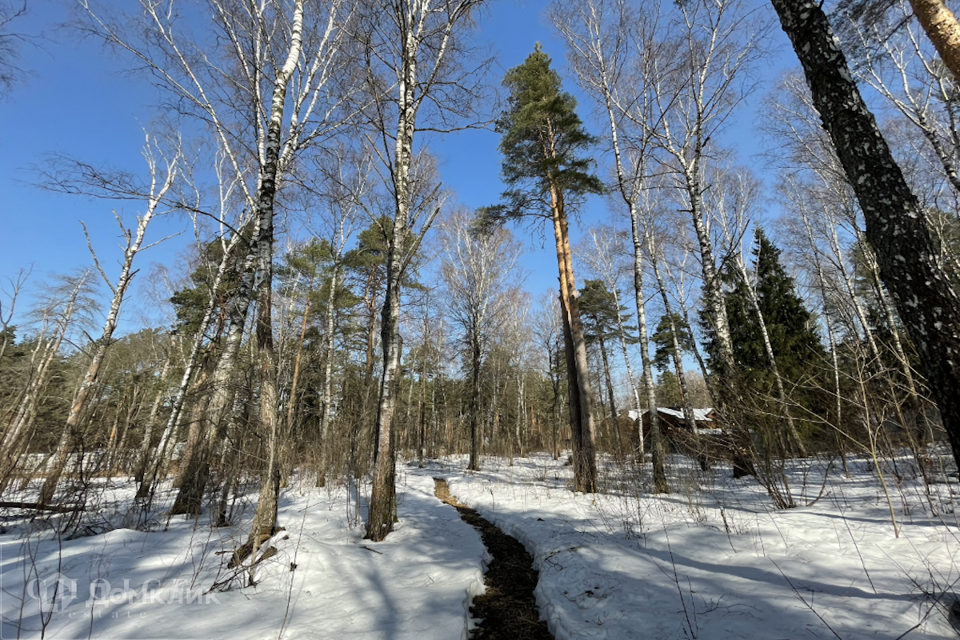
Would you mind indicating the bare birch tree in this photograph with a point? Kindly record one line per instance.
(268, 88)
(55, 321)
(229, 240)
(613, 50)
(477, 269)
(603, 253)
(7, 315)
(346, 181)
(416, 81)
(695, 92)
(733, 202)
(903, 70)
(163, 167)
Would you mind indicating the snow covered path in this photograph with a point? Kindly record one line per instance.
(618, 568)
(414, 586)
(508, 609)
(712, 561)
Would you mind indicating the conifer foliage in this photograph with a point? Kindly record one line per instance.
(790, 326)
(796, 343)
(546, 171)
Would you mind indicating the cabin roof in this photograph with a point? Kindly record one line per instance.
(700, 415)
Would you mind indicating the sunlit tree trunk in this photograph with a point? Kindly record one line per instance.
(422, 42)
(326, 396)
(383, 498)
(195, 467)
(940, 25)
(265, 517)
(578, 370)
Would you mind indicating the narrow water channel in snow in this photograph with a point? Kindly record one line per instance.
(508, 609)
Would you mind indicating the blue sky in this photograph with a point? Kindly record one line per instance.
(78, 101)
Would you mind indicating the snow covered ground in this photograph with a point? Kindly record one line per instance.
(133, 584)
(722, 563)
(711, 560)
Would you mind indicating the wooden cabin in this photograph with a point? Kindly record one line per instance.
(674, 424)
(677, 437)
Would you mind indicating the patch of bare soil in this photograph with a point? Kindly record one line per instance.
(508, 609)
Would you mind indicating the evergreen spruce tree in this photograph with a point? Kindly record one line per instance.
(790, 326)
(791, 329)
(668, 389)
(744, 333)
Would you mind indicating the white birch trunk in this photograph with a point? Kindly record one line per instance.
(173, 422)
(265, 517)
(133, 245)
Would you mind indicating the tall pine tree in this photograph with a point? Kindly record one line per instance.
(546, 172)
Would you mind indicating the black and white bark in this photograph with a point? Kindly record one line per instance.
(695, 90)
(603, 256)
(348, 181)
(411, 49)
(911, 264)
(154, 461)
(821, 279)
(266, 84)
(265, 516)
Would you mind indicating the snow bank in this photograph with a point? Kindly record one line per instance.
(324, 582)
(722, 564)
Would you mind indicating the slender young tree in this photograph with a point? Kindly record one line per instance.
(415, 79)
(164, 168)
(54, 324)
(548, 330)
(696, 88)
(604, 254)
(477, 270)
(7, 315)
(347, 179)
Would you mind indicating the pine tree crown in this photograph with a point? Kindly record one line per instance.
(543, 139)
